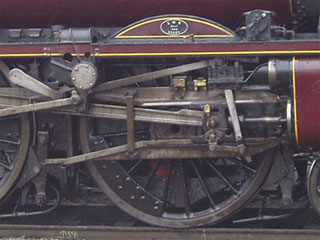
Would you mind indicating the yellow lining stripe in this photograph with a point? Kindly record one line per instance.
(38, 54)
(206, 53)
(162, 53)
(291, 6)
(295, 98)
(120, 35)
(179, 36)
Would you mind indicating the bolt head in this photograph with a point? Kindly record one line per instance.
(42, 139)
(36, 169)
(213, 123)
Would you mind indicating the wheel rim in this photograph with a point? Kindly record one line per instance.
(13, 151)
(14, 142)
(313, 185)
(177, 193)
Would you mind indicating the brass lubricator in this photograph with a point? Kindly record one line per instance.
(200, 83)
(179, 83)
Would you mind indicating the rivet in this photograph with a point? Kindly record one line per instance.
(133, 197)
(128, 179)
(93, 74)
(157, 202)
(143, 197)
(137, 187)
(81, 87)
(87, 66)
(91, 84)
(36, 169)
(117, 176)
(42, 139)
(104, 166)
(156, 207)
(77, 69)
(120, 187)
(73, 79)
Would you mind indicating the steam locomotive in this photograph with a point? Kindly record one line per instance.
(181, 119)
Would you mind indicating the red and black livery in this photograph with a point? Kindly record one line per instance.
(183, 112)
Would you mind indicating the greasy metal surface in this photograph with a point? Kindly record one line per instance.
(181, 117)
(150, 76)
(234, 115)
(130, 124)
(163, 96)
(20, 78)
(167, 149)
(73, 100)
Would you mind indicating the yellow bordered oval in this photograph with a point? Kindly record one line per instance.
(222, 31)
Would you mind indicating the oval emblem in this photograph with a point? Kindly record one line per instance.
(174, 27)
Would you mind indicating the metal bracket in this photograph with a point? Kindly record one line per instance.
(130, 122)
(42, 146)
(31, 169)
(234, 118)
(234, 115)
(20, 78)
(73, 100)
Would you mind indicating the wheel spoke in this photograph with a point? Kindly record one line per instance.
(167, 184)
(181, 193)
(242, 164)
(135, 166)
(8, 158)
(203, 183)
(6, 141)
(6, 166)
(150, 176)
(223, 178)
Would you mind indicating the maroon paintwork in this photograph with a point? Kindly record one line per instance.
(109, 13)
(153, 28)
(307, 101)
(207, 49)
